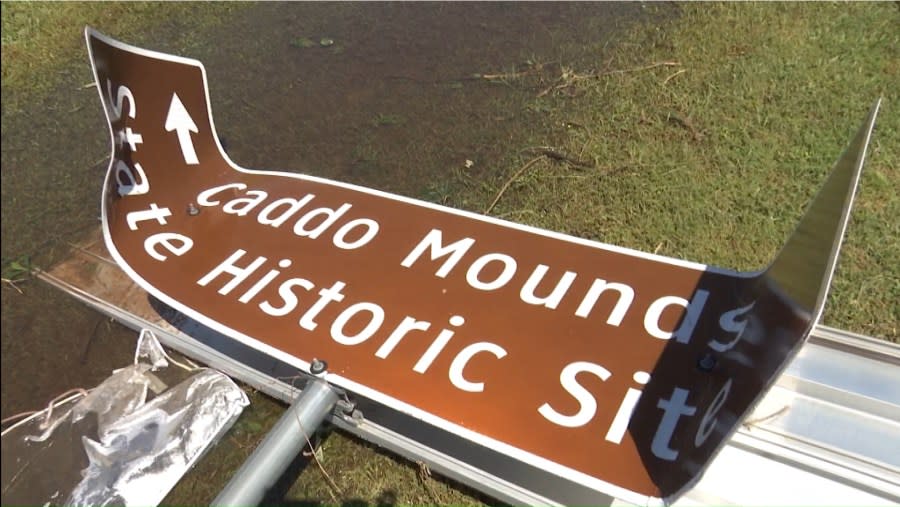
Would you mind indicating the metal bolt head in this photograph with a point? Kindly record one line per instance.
(707, 362)
(355, 417)
(193, 210)
(317, 366)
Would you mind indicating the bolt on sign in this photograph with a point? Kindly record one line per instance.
(620, 371)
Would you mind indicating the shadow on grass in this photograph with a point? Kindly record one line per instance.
(278, 494)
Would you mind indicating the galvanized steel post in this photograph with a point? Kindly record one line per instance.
(282, 444)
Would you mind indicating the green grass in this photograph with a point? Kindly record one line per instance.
(714, 156)
(41, 48)
(713, 164)
(352, 472)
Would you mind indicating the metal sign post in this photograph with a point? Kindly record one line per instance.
(281, 445)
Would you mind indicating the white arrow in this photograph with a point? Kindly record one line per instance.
(180, 121)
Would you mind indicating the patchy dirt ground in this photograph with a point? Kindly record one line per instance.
(393, 102)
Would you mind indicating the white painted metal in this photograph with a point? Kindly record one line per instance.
(282, 444)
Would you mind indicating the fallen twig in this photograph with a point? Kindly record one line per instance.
(567, 79)
(642, 68)
(753, 422)
(506, 75)
(12, 283)
(686, 124)
(510, 180)
(99, 161)
(676, 74)
(424, 474)
(560, 157)
(333, 487)
(532, 68)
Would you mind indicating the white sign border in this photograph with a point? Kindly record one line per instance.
(343, 382)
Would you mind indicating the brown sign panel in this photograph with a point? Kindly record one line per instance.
(616, 369)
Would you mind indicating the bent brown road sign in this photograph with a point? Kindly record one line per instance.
(619, 370)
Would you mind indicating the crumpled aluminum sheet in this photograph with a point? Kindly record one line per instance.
(113, 446)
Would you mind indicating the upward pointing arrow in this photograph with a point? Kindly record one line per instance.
(181, 122)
